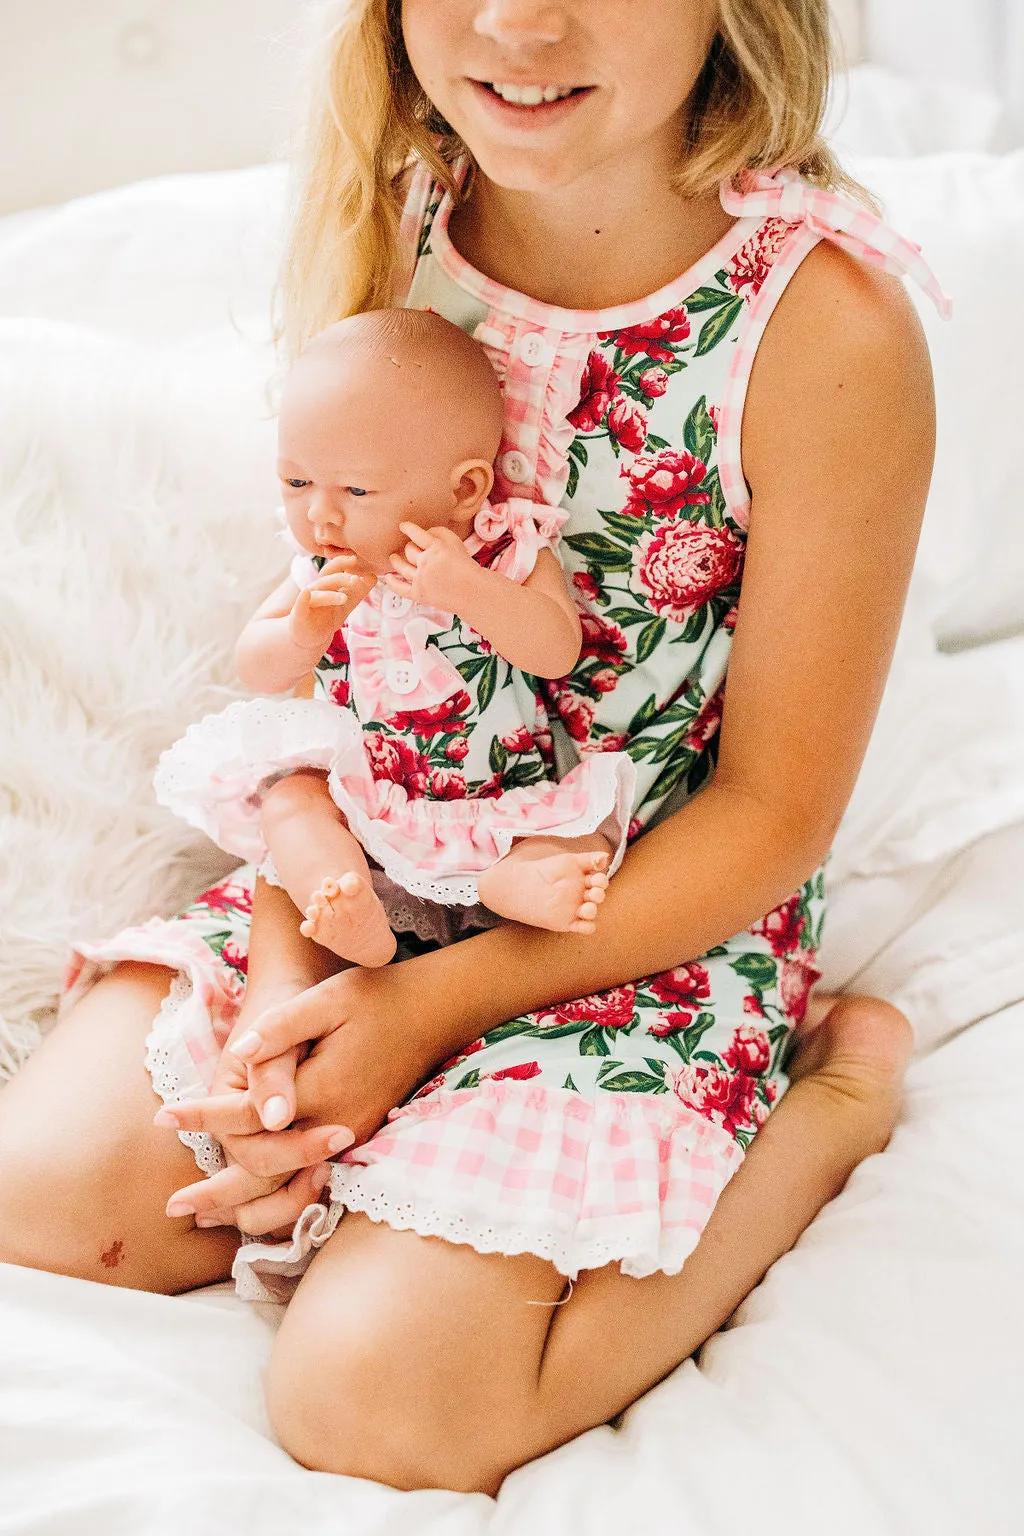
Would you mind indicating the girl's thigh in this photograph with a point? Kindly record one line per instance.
(86, 1174)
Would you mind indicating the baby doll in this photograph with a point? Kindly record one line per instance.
(420, 609)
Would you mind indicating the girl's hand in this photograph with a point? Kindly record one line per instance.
(319, 611)
(365, 1061)
(433, 568)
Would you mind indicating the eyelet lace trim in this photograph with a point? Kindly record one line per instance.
(173, 1072)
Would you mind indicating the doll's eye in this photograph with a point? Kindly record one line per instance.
(354, 490)
(297, 485)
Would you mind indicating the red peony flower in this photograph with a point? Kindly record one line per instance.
(602, 638)
(598, 388)
(610, 743)
(521, 741)
(613, 1009)
(235, 957)
(688, 984)
(448, 716)
(750, 1050)
(337, 652)
(457, 750)
(706, 723)
(392, 758)
(447, 784)
(523, 1070)
(653, 382)
(795, 982)
(585, 584)
(605, 680)
(685, 564)
(576, 714)
(714, 411)
(663, 483)
(340, 690)
(228, 896)
(753, 261)
(489, 789)
(654, 337)
(753, 1005)
(783, 927)
(627, 424)
(670, 1024)
(725, 1098)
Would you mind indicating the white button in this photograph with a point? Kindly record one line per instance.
(401, 676)
(534, 350)
(394, 604)
(514, 467)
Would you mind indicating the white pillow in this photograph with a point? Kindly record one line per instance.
(967, 213)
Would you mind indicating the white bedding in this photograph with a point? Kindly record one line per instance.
(875, 1382)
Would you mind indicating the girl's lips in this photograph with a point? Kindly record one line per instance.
(545, 113)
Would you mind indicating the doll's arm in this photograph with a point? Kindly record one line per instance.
(291, 630)
(533, 624)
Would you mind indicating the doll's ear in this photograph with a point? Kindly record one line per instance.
(471, 485)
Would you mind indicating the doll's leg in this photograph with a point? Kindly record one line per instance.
(550, 882)
(324, 870)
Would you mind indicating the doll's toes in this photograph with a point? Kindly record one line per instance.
(586, 912)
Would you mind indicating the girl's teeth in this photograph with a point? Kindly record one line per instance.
(530, 95)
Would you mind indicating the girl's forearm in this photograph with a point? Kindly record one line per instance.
(268, 660)
(700, 877)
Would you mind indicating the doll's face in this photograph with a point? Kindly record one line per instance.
(356, 460)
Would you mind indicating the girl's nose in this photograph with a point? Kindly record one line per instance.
(520, 22)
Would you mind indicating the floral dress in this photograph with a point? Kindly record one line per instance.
(601, 1130)
(437, 750)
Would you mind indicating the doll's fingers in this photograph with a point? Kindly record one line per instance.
(284, 1207)
(326, 599)
(338, 563)
(226, 1114)
(419, 537)
(402, 567)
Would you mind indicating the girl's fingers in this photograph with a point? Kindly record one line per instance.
(308, 1016)
(286, 1205)
(230, 1187)
(272, 1090)
(226, 1114)
(276, 1152)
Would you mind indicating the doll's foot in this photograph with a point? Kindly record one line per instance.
(560, 891)
(344, 915)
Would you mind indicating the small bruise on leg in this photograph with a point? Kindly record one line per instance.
(111, 1257)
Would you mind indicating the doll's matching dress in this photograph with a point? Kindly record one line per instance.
(437, 750)
(600, 1130)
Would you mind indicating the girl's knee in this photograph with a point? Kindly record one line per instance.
(857, 1057)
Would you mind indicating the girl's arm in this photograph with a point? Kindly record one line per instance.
(534, 624)
(291, 630)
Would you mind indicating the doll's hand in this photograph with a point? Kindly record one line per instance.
(319, 611)
(433, 568)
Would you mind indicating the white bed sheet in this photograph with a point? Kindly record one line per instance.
(874, 1383)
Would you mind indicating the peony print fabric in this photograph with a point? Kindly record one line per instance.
(603, 1129)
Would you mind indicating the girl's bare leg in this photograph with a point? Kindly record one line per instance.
(86, 1174)
(550, 882)
(324, 870)
(419, 1363)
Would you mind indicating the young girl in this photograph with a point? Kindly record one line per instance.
(630, 206)
(416, 605)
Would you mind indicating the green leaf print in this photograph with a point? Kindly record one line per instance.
(521, 773)
(513, 1027)
(645, 714)
(655, 442)
(594, 1042)
(693, 629)
(649, 639)
(635, 1082)
(695, 1032)
(578, 450)
(572, 483)
(497, 757)
(715, 510)
(628, 528)
(570, 1084)
(699, 432)
(470, 669)
(760, 970)
(707, 298)
(627, 616)
(471, 1080)
(594, 546)
(488, 683)
(656, 1066)
(718, 326)
(557, 1031)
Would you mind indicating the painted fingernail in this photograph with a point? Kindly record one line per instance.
(275, 1113)
(247, 1044)
(214, 1219)
(341, 1139)
(319, 1175)
(176, 1207)
(168, 1118)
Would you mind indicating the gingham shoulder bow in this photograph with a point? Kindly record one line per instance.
(837, 218)
(531, 526)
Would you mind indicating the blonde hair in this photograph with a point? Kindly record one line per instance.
(757, 105)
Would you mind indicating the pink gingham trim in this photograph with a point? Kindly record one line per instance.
(510, 1168)
(814, 215)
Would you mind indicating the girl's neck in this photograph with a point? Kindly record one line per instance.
(602, 242)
